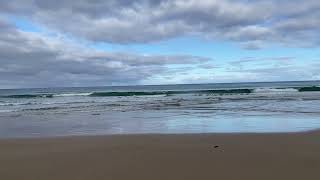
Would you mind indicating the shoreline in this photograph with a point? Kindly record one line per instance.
(155, 134)
(163, 156)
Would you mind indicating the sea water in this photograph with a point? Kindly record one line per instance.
(196, 108)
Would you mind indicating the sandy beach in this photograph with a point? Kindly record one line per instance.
(152, 157)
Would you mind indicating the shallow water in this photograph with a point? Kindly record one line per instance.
(267, 108)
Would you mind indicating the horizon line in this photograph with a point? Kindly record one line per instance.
(244, 82)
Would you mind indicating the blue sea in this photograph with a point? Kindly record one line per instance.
(189, 108)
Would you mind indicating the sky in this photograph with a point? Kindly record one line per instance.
(64, 43)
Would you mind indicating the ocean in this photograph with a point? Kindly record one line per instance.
(190, 108)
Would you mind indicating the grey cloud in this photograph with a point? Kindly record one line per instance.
(252, 45)
(291, 23)
(35, 60)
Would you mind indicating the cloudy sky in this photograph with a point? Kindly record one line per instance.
(45, 43)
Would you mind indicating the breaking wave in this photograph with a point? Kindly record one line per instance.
(168, 93)
(72, 94)
(312, 88)
(146, 93)
(28, 96)
(275, 90)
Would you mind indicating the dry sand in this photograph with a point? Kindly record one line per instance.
(166, 157)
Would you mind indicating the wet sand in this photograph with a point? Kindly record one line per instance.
(154, 157)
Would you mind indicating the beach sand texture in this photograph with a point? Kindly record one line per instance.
(293, 156)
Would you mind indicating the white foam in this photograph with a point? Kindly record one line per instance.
(14, 104)
(5, 110)
(72, 94)
(274, 90)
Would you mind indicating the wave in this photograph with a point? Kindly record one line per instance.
(16, 104)
(28, 96)
(146, 93)
(131, 93)
(44, 95)
(311, 88)
(168, 93)
(43, 109)
(72, 94)
(275, 90)
(285, 90)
